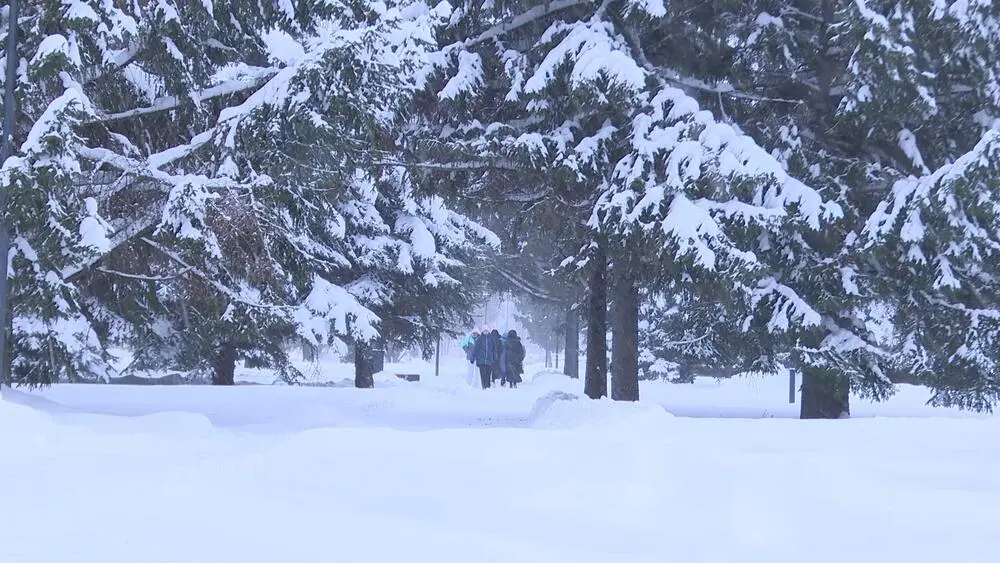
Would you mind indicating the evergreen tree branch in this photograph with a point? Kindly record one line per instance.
(524, 18)
(222, 289)
(122, 60)
(167, 103)
(143, 277)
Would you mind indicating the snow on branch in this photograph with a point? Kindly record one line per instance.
(524, 18)
(117, 62)
(943, 200)
(167, 103)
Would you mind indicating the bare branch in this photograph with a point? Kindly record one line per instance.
(526, 286)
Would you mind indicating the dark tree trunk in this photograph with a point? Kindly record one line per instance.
(571, 365)
(596, 380)
(364, 366)
(825, 394)
(224, 366)
(548, 358)
(624, 335)
(309, 351)
(8, 353)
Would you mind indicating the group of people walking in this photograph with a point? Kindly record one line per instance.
(499, 358)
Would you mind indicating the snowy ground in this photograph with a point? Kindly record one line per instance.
(438, 471)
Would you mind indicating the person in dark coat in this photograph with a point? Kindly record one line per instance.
(502, 364)
(496, 345)
(513, 355)
(486, 354)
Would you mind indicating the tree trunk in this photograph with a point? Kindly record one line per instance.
(571, 364)
(437, 357)
(309, 351)
(596, 380)
(548, 358)
(8, 353)
(224, 366)
(825, 394)
(364, 366)
(624, 335)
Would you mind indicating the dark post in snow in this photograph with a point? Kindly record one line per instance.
(7, 151)
(437, 357)
(791, 386)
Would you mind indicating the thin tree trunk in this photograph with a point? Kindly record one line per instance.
(437, 357)
(548, 358)
(364, 366)
(308, 351)
(8, 353)
(624, 335)
(596, 380)
(571, 364)
(825, 394)
(224, 366)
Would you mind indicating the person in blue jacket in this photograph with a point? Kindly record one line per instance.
(486, 355)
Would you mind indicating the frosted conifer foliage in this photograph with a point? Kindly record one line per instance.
(205, 177)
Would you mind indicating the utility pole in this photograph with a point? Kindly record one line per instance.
(7, 151)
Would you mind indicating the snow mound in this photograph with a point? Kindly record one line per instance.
(561, 410)
(555, 381)
(176, 423)
(15, 415)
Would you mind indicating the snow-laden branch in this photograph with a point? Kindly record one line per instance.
(145, 170)
(124, 58)
(173, 256)
(144, 277)
(687, 342)
(458, 166)
(120, 237)
(167, 103)
(150, 168)
(524, 18)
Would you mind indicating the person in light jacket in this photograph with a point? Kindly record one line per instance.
(469, 346)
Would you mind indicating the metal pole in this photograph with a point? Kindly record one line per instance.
(7, 151)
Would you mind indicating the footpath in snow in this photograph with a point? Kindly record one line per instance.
(437, 471)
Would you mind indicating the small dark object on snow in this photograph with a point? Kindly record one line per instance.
(409, 376)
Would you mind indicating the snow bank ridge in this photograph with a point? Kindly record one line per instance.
(561, 410)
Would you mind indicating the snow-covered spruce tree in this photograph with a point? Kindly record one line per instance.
(936, 232)
(213, 184)
(778, 70)
(502, 140)
(851, 97)
(564, 87)
(686, 334)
